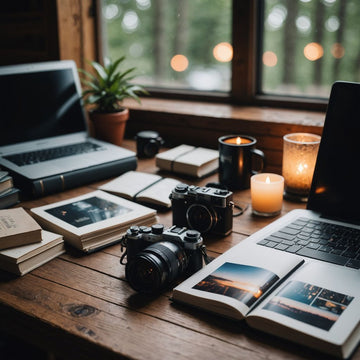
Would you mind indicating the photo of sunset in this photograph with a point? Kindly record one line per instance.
(310, 304)
(242, 282)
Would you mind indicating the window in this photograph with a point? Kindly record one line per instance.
(248, 50)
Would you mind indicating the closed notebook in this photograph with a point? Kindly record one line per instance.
(22, 259)
(189, 160)
(17, 228)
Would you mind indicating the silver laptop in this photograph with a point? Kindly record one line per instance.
(328, 231)
(43, 125)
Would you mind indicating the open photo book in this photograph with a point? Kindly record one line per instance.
(94, 220)
(285, 296)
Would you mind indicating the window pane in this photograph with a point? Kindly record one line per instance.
(183, 44)
(309, 44)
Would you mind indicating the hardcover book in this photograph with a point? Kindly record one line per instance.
(17, 228)
(303, 302)
(92, 221)
(149, 189)
(23, 259)
(189, 160)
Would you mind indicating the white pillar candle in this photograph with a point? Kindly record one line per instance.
(267, 194)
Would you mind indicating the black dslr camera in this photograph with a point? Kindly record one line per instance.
(206, 209)
(157, 256)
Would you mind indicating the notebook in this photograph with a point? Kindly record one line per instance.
(44, 130)
(328, 230)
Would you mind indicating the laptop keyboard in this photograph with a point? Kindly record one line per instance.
(318, 240)
(33, 157)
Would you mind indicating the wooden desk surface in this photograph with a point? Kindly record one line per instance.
(81, 307)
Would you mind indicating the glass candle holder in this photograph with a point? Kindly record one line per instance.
(299, 158)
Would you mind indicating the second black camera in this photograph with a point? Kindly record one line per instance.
(205, 209)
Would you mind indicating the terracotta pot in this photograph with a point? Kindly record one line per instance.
(110, 127)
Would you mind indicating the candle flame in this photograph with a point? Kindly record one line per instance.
(238, 140)
(302, 167)
(267, 180)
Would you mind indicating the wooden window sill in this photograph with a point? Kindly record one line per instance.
(202, 123)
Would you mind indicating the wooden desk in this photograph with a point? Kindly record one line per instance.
(81, 307)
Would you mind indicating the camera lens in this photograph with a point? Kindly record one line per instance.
(156, 266)
(201, 218)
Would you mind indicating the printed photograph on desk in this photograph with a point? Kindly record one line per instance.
(310, 304)
(242, 282)
(88, 211)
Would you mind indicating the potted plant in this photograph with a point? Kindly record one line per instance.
(104, 91)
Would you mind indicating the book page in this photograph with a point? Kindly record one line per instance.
(130, 183)
(318, 300)
(198, 157)
(234, 282)
(159, 192)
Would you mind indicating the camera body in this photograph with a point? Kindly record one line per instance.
(148, 143)
(206, 209)
(157, 256)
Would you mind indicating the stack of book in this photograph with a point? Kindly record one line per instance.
(23, 244)
(92, 221)
(9, 195)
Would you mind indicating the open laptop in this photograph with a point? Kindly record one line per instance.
(328, 231)
(43, 126)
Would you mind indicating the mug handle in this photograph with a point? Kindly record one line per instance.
(261, 155)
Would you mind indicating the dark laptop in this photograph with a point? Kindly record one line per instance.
(44, 133)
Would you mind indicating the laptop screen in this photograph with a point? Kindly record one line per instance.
(335, 190)
(39, 103)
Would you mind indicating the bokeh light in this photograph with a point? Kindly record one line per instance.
(313, 51)
(179, 63)
(337, 51)
(269, 58)
(223, 52)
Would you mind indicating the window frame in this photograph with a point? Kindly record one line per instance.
(247, 27)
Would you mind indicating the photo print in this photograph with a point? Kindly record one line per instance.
(310, 304)
(87, 211)
(242, 282)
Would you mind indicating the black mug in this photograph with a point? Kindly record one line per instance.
(148, 143)
(236, 160)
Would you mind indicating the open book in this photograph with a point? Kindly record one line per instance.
(148, 189)
(92, 221)
(189, 160)
(280, 295)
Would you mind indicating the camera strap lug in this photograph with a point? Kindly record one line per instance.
(123, 245)
(207, 258)
(241, 209)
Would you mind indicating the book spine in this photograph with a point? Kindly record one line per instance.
(57, 183)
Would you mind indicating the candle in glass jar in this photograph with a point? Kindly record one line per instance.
(267, 194)
(299, 157)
